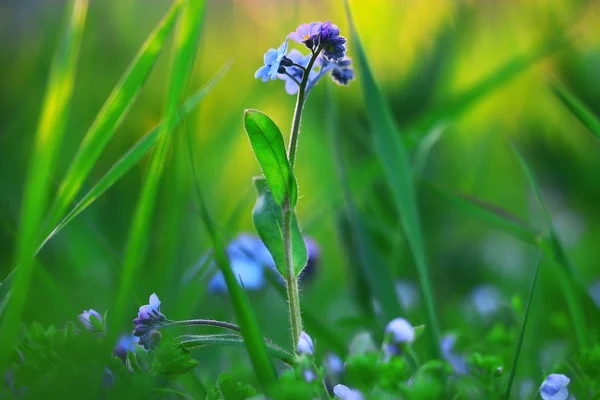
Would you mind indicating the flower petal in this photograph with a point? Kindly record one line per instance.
(262, 72)
(154, 302)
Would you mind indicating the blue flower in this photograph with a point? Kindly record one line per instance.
(457, 361)
(306, 33)
(333, 364)
(343, 392)
(91, 320)
(309, 375)
(272, 62)
(342, 73)
(148, 320)
(305, 344)
(555, 387)
(334, 45)
(123, 346)
(398, 332)
(407, 293)
(291, 87)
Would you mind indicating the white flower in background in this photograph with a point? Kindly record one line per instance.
(555, 387)
(343, 392)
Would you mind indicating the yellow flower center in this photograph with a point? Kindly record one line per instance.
(306, 37)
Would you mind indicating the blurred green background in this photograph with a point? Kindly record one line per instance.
(425, 55)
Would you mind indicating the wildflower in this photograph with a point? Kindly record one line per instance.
(343, 392)
(334, 45)
(555, 387)
(458, 363)
(407, 293)
(272, 62)
(333, 364)
(123, 346)
(91, 320)
(309, 375)
(294, 74)
(149, 318)
(398, 332)
(486, 300)
(305, 344)
(306, 34)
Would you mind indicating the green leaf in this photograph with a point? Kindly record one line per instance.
(111, 115)
(269, 148)
(568, 278)
(46, 145)
(419, 329)
(576, 106)
(523, 328)
(172, 360)
(396, 164)
(231, 389)
(232, 340)
(267, 216)
(134, 155)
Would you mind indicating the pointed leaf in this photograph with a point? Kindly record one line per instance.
(269, 148)
(267, 216)
(576, 106)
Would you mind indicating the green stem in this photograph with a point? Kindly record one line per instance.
(288, 212)
(204, 322)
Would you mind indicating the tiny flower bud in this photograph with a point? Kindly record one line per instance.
(305, 344)
(400, 331)
(91, 320)
(309, 375)
(555, 387)
(286, 62)
(281, 70)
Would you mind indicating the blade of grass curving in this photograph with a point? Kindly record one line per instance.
(197, 341)
(424, 149)
(568, 278)
(513, 370)
(456, 105)
(372, 268)
(47, 141)
(185, 45)
(493, 215)
(244, 314)
(111, 115)
(576, 106)
(395, 162)
(135, 154)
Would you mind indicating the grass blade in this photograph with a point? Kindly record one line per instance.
(185, 44)
(568, 277)
(395, 162)
(495, 216)
(513, 370)
(244, 314)
(197, 341)
(111, 115)
(371, 268)
(576, 106)
(134, 155)
(48, 138)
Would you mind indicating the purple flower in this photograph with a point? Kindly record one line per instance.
(342, 73)
(398, 332)
(306, 34)
(91, 320)
(123, 346)
(334, 45)
(305, 344)
(272, 62)
(555, 387)
(457, 361)
(149, 318)
(295, 56)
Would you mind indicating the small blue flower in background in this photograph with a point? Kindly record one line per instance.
(87, 318)
(306, 34)
(248, 257)
(272, 62)
(305, 344)
(486, 300)
(458, 363)
(333, 364)
(123, 345)
(555, 387)
(398, 332)
(309, 375)
(149, 318)
(342, 74)
(343, 392)
(407, 293)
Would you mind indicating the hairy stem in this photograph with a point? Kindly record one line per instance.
(290, 272)
(204, 322)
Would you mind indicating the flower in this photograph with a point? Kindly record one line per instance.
(248, 257)
(272, 62)
(407, 293)
(341, 73)
(334, 45)
(343, 392)
(457, 361)
(306, 34)
(295, 56)
(333, 364)
(91, 320)
(398, 331)
(149, 318)
(305, 344)
(309, 375)
(555, 387)
(123, 346)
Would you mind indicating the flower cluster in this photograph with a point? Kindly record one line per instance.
(148, 320)
(328, 55)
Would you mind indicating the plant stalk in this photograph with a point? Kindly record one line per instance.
(291, 279)
(204, 322)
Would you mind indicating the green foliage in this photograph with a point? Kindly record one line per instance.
(267, 216)
(576, 106)
(269, 149)
(228, 388)
(171, 360)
